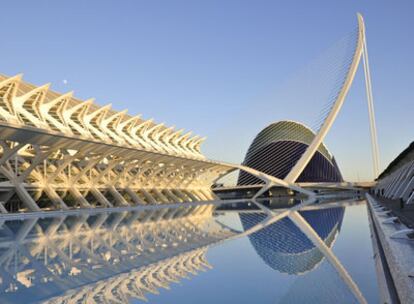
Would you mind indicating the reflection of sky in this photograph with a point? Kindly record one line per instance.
(240, 275)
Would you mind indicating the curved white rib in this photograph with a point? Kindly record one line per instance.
(313, 147)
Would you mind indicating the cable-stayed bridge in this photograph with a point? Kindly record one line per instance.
(288, 151)
(60, 156)
(58, 152)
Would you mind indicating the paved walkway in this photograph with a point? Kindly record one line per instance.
(396, 246)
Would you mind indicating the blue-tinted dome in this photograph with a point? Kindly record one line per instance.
(278, 147)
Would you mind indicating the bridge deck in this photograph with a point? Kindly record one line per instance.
(321, 185)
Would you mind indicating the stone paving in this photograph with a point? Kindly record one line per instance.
(398, 246)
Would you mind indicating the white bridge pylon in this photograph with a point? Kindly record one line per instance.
(360, 51)
(289, 181)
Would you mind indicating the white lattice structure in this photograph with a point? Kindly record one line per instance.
(360, 51)
(399, 184)
(58, 152)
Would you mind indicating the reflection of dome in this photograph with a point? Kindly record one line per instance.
(282, 245)
(278, 147)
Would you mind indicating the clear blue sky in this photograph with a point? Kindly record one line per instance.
(214, 66)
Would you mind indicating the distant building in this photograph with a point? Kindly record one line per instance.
(278, 147)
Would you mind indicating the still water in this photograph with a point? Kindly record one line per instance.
(187, 255)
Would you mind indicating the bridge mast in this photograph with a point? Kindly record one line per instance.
(360, 51)
(327, 124)
(370, 100)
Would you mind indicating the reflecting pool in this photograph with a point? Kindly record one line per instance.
(198, 254)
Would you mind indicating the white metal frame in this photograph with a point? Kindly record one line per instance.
(360, 50)
(57, 146)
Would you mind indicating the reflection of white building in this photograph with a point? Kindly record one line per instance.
(106, 257)
(58, 152)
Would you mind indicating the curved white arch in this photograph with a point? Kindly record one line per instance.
(326, 126)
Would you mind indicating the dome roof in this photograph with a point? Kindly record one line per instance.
(285, 130)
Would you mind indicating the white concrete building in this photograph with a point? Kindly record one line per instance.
(58, 152)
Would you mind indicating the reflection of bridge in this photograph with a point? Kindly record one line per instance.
(89, 259)
(116, 256)
(283, 246)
